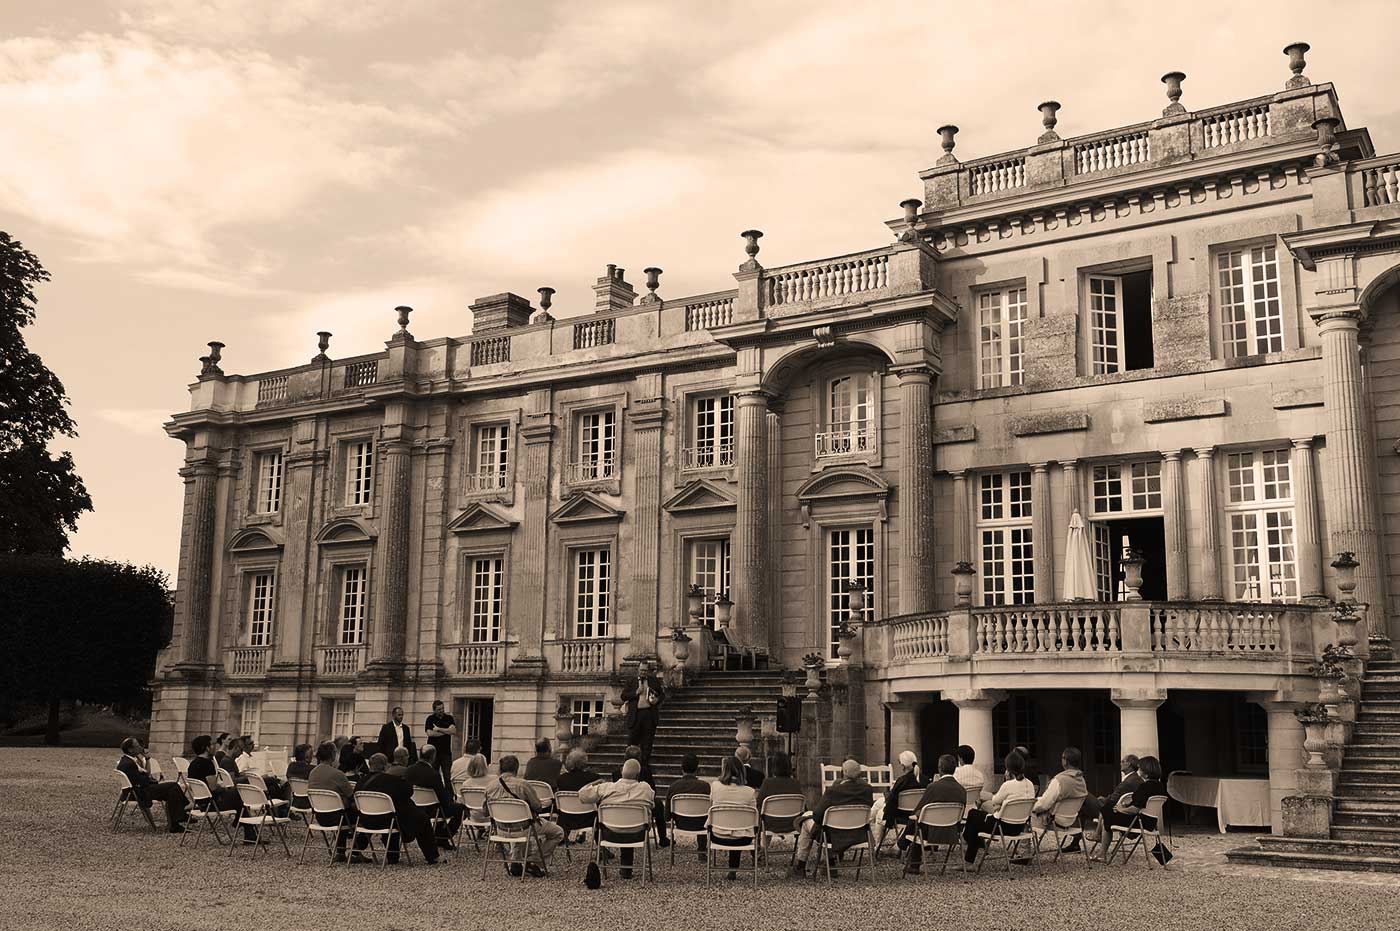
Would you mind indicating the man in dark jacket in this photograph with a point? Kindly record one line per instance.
(690, 783)
(543, 766)
(148, 789)
(411, 822)
(1093, 807)
(576, 773)
(850, 789)
(643, 697)
(943, 789)
(753, 776)
(425, 773)
(395, 734)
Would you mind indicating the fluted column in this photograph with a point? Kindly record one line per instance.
(1043, 536)
(775, 519)
(295, 633)
(916, 492)
(962, 519)
(1069, 469)
(203, 478)
(392, 621)
(750, 562)
(1209, 543)
(647, 417)
(1307, 544)
(530, 583)
(1174, 527)
(1349, 487)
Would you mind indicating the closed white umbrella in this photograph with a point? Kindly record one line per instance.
(1079, 563)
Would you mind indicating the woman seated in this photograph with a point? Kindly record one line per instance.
(731, 789)
(352, 757)
(985, 819)
(1130, 809)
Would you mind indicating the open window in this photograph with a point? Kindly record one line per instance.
(1120, 322)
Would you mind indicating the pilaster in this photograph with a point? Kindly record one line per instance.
(962, 519)
(1209, 542)
(1174, 526)
(648, 415)
(916, 588)
(295, 637)
(1043, 534)
(202, 476)
(392, 617)
(530, 583)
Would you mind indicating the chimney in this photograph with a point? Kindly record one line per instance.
(614, 293)
(499, 311)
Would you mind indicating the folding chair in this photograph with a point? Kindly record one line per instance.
(206, 812)
(1066, 809)
(730, 817)
(475, 820)
(182, 772)
(327, 804)
(1138, 832)
(905, 809)
(260, 812)
(225, 778)
(624, 818)
(1017, 811)
(127, 799)
(426, 800)
(845, 818)
(512, 826)
(300, 806)
(378, 805)
(687, 805)
(779, 812)
(255, 779)
(947, 816)
(576, 817)
(974, 798)
(545, 793)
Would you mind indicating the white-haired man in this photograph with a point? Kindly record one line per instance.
(850, 789)
(628, 788)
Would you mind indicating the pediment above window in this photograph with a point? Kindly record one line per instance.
(843, 485)
(582, 507)
(479, 518)
(256, 540)
(345, 530)
(699, 495)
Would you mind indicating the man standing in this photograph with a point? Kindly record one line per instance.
(643, 696)
(396, 734)
(441, 727)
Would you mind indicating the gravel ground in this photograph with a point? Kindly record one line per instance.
(60, 868)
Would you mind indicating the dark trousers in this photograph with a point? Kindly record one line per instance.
(420, 829)
(348, 826)
(981, 822)
(171, 795)
(452, 814)
(623, 837)
(643, 730)
(719, 840)
(444, 765)
(693, 824)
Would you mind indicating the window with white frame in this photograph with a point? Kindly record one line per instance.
(354, 596)
(592, 592)
(487, 595)
(850, 558)
(1251, 312)
(1127, 488)
(359, 472)
(581, 711)
(342, 717)
(269, 499)
(711, 432)
(260, 595)
(1262, 543)
(850, 416)
(492, 458)
(249, 716)
(1120, 322)
(709, 568)
(597, 446)
(1005, 538)
(1105, 324)
(1001, 318)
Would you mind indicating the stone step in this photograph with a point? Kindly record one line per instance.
(1355, 848)
(1366, 810)
(1348, 832)
(1366, 791)
(1358, 774)
(1374, 729)
(1372, 755)
(1322, 860)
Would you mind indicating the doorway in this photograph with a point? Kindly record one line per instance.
(476, 716)
(1149, 537)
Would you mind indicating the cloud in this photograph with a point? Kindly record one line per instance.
(144, 420)
(239, 20)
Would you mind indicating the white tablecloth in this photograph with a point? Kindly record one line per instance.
(273, 762)
(1236, 801)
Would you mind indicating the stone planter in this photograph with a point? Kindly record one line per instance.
(963, 574)
(1314, 742)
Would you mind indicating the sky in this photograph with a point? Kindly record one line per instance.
(253, 171)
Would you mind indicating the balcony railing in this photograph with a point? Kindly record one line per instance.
(490, 350)
(247, 661)
(1247, 630)
(592, 333)
(828, 279)
(1380, 183)
(1238, 125)
(592, 470)
(480, 659)
(272, 388)
(585, 657)
(712, 456)
(488, 481)
(1048, 629)
(995, 177)
(360, 374)
(845, 442)
(919, 637)
(1112, 152)
(705, 315)
(341, 660)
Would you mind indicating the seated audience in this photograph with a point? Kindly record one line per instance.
(969, 775)
(634, 752)
(425, 773)
(543, 766)
(1130, 807)
(779, 781)
(411, 822)
(221, 750)
(399, 766)
(576, 773)
(690, 783)
(509, 785)
(1068, 783)
(628, 787)
(352, 756)
(1032, 766)
(327, 775)
(1095, 807)
(474, 774)
(731, 789)
(300, 766)
(910, 778)
(204, 768)
(248, 763)
(945, 788)
(753, 776)
(850, 789)
(148, 788)
(984, 819)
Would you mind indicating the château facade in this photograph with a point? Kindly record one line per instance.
(1185, 331)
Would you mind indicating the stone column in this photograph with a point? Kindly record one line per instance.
(1308, 546)
(202, 477)
(1174, 526)
(1286, 755)
(1349, 487)
(775, 522)
(1138, 721)
(975, 725)
(749, 567)
(1209, 543)
(1070, 470)
(295, 639)
(916, 588)
(1043, 532)
(647, 416)
(529, 587)
(904, 728)
(962, 519)
(391, 623)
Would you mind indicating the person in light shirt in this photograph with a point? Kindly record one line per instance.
(969, 775)
(731, 788)
(628, 788)
(984, 819)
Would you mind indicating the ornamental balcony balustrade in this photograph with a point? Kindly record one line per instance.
(361, 374)
(592, 470)
(490, 350)
(835, 443)
(476, 660)
(488, 480)
(341, 661)
(247, 662)
(709, 456)
(582, 656)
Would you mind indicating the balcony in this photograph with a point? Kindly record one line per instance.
(340, 661)
(247, 662)
(836, 443)
(272, 389)
(476, 660)
(710, 456)
(845, 279)
(583, 657)
(488, 481)
(592, 470)
(361, 374)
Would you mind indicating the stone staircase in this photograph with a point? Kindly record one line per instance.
(699, 718)
(1366, 807)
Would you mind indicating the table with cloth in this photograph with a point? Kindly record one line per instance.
(1241, 802)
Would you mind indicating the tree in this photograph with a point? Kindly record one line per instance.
(41, 495)
(86, 630)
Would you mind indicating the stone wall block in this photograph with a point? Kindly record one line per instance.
(1180, 331)
(1050, 350)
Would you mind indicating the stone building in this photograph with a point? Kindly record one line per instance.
(1185, 331)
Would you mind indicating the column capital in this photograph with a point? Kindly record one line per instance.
(1302, 442)
(1137, 699)
(1040, 467)
(537, 433)
(200, 467)
(394, 447)
(1203, 452)
(1337, 317)
(1172, 455)
(976, 698)
(913, 373)
(1068, 463)
(755, 396)
(958, 473)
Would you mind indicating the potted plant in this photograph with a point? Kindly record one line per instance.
(1313, 716)
(1331, 671)
(680, 644)
(813, 663)
(1346, 617)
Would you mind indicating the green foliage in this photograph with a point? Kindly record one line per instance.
(41, 496)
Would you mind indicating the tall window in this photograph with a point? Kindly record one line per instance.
(342, 717)
(592, 592)
(1015, 723)
(1004, 532)
(1261, 526)
(709, 568)
(1105, 324)
(354, 595)
(583, 710)
(359, 472)
(1124, 488)
(1250, 310)
(249, 716)
(712, 432)
(487, 587)
(269, 482)
(851, 558)
(597, 445)
(1120, 322)
(850, 416)
(492, 457)
(260, 591)
(1001, 315)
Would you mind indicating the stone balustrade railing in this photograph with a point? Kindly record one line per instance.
(272, 389)
(490, 350)
(832, 278)
(708, 314)
(1048, 629)
(1379, 180)
(1238, 630)
(360, 374)
(997, 176)
(583, 656)
(922, 637)
(478, 659)
(1112, 152)
(247, 661)
(1237, 124)
(341, 660)
(591, 333)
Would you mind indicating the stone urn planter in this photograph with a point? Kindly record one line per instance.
(963, 574)
(813, 663)
(1314, 718)
(680, 645)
